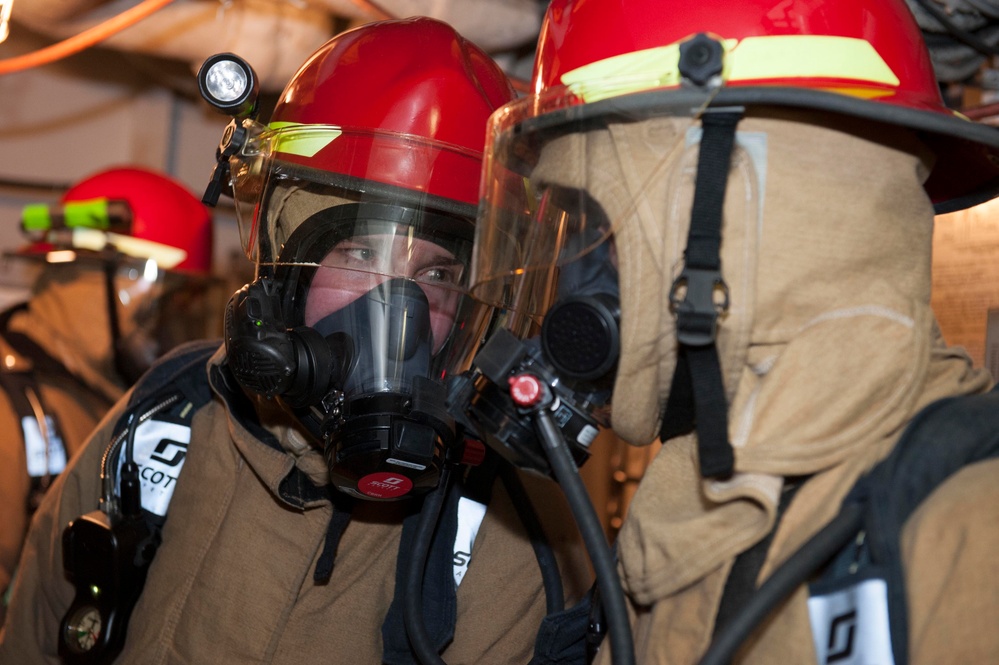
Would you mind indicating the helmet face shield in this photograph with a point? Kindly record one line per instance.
(588, 206)
(358, 255)
(286, 173)
(160, 309)
(148, 310)
(391, 279)
(563, 190)
(373, 251)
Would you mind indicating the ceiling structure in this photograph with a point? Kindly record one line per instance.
(276, 36)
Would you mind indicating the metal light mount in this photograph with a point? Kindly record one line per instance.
(230, 86)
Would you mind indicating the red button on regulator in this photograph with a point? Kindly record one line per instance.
(525, 390)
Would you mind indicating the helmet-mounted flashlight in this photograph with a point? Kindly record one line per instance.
(229, 84)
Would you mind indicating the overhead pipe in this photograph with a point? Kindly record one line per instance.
(275, 35)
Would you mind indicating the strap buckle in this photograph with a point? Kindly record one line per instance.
(693, 299)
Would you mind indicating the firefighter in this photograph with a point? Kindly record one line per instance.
(121, 273)
(753, 184)
(312, 499)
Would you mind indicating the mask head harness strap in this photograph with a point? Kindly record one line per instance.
(698, 296)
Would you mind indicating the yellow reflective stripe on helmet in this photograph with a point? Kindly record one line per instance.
(808, 56)
(301, 140)
(753, 58)
(626, 73)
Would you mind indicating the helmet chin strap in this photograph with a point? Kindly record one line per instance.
(698, 296)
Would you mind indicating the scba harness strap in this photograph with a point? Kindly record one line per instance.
(107, 552)
(163, 433)
(162, 406)
(44, 446)
(857, 604)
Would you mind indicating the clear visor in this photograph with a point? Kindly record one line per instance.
(356, 254)
(161, 309)
(282, 176)
(374, 253)
(571, 184)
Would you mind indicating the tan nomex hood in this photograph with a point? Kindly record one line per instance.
(67, 316)
(829, 346)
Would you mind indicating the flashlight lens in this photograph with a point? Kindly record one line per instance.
(226, 81)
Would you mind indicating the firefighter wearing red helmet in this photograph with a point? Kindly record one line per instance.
(120, 271)
(753, 183)
(311, 497)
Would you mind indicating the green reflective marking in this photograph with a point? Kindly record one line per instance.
(304, 141)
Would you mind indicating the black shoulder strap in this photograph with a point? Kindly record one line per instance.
(184, 363)
(940, 441)
(862, 543)
(22, 388)
(170, 391)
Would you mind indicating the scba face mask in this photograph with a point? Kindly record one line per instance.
(356, 325)
(388, 413)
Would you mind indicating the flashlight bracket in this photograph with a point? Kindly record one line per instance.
(233, 139)
(241, 106)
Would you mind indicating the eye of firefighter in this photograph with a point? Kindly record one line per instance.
(399, 256)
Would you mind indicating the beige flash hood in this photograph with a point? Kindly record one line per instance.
(67, 316)
(829, 345)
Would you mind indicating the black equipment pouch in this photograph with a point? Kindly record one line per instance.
(858, 605)
(107, 554)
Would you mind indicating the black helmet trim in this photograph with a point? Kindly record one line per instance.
(967, 151)
(374, 189)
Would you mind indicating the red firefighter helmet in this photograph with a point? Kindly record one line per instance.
(400, 77)
(162, 211)
(358, 201)
(368, 115)
(864, 58)
(144, 240)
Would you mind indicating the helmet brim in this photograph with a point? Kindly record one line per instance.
(965, 173)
